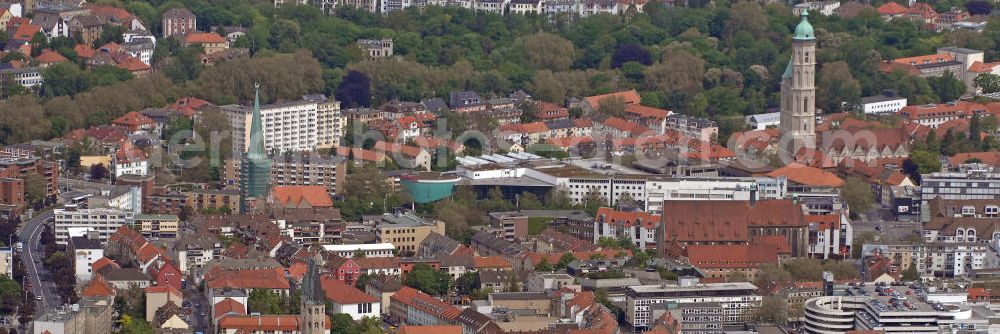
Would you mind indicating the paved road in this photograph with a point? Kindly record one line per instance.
(195, 297)
(30, 234)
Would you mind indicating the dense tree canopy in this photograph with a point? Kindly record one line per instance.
(720, 61)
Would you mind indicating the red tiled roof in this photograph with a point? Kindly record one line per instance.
(297, 270)
(623, 125)
(84, 51)
(989, 158)
(441, 329)
(133, 64)
(490, 262)
(164, 289)
(731, 256)
(979, 67)
(110, 47)
(892, 8)
(726, 221)
(97, 287)
(50, 57)
(426, 303)
(367, 155)
(128, 154)
(315, 196)
(101, 263)
(109, 11)
(629, 97)
(614, 217)
(344, 294)
(25, 32)
(824, 222)
(226, 306)
(583, 122)
(378, 262)
(646, 112)
(566, 142)
(955, 109)
(537, 257)
(806, 175)
(546, 110)
(16, 22)
(534, 127)
(133, 119)
(203, 37)
(777, 241)
(259, 323)
(410, 151)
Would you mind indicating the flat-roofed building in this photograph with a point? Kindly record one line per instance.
(739, 300)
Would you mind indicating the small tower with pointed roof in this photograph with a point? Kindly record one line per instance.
(798, 91)
(313, 299)
(255, 169)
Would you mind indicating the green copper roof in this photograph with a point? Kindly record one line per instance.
(255, 170)
(788, 70)
(256, 148)
(804, 31)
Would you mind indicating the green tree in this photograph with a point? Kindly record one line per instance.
(947, 87)
(987, 82)
(565, 260)
(265, 301)
(428, 280)
(911, 274)
(544, 266)
(35, 188)
(547, 51)
(927, 162)
(10, 294)
(341, 323)
(858, 195)
(836, 87)
(773, 310)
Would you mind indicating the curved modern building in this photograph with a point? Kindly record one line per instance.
(426, 187)
(840, 314)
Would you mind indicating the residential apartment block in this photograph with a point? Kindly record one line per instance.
(406, 231)
(288, 126)
(78, 221)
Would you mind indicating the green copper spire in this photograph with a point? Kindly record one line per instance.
(255, 170)
(256, 148)
(788, 70)
(804, 31)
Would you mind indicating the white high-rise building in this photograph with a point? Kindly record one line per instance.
(288, 126)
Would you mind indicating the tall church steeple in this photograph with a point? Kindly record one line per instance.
(255, 169)
(798, 91)
(313, 301)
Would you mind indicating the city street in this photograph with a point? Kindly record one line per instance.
(30, 234)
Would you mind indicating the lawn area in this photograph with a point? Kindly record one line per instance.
(538, 224)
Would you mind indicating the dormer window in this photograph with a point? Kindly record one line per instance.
(968, 210)
(992, 211)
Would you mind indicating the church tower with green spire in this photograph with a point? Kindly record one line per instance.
(255, 169)
(798, 91)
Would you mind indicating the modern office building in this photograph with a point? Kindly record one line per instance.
(971, 184)
(738, 300)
